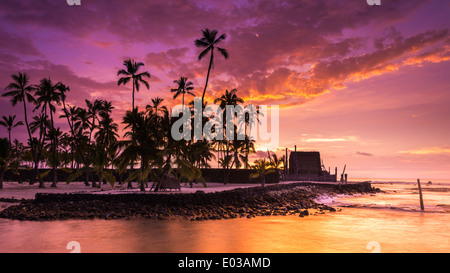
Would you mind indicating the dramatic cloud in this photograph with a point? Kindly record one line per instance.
(302, 55)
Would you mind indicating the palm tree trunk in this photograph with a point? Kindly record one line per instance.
(55, 175)
(133, 94)
(76, 143)
(142, 179)
(130, 185)
(1, 179)
(166, 169)
(94, 184)
(33, 151)
(39, 152)
(207, 76)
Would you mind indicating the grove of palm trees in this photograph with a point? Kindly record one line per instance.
(93, 149)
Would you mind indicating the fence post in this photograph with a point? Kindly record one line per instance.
(420, 193)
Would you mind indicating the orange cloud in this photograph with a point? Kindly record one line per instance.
(427, 151)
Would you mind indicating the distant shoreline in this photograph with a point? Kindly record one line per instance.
(276, 199)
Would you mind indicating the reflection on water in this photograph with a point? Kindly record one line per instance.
(349, 230)
(399, 196)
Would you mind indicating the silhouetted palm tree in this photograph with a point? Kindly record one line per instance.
(107, 131)
(41, 123)
(5, 157)
(229, 98)
(47, 96)
(184, 87)
(131, 73)
(94, 109)
(141, 144)
(209, 42)
(21, 91)
(8, 123)
(262, 168)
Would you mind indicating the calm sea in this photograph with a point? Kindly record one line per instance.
(385, 222)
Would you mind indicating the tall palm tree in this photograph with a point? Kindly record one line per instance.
(82, 121)
(131, 73)
(94, 109)
(21, 91)
(55, 136)
(209, 42)
(81, 126)
(229, 98)
(70, 114)
(8, 123)
(41, 123)
(107, 131)
(47, 96)
(141, 144)
(184, 87)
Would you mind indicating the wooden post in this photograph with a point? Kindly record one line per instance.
(295, 160)
(420, 193)
(286, 170)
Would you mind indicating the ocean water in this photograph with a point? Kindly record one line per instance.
(388, 222)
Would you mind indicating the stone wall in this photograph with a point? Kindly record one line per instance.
(210, 175)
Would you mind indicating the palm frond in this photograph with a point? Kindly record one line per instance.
(224, 52)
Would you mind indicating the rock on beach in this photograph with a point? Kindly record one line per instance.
(278, 199)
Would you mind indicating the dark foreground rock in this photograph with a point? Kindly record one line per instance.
(280, 199)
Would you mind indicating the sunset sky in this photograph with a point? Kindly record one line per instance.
(367, 86)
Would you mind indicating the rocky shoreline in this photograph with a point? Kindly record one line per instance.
(279, 199)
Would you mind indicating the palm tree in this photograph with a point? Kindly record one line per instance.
(8, 122)
(5, 157)
(82, 121)
(100, 160)
(81, 125)
(94, 108)
(41, 123)
(209, 42)
(156, 103)
(18, 156)
(169, 148)
(131, 73)
(276, 162)
(262, 168)
(106, 108)
(54, 135)
(47, 94)
(229, 98)
(142, 144)
(70, 114)
(21, 91)
(107, 131)
(184, 87)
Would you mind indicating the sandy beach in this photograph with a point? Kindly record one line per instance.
(13, 190)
